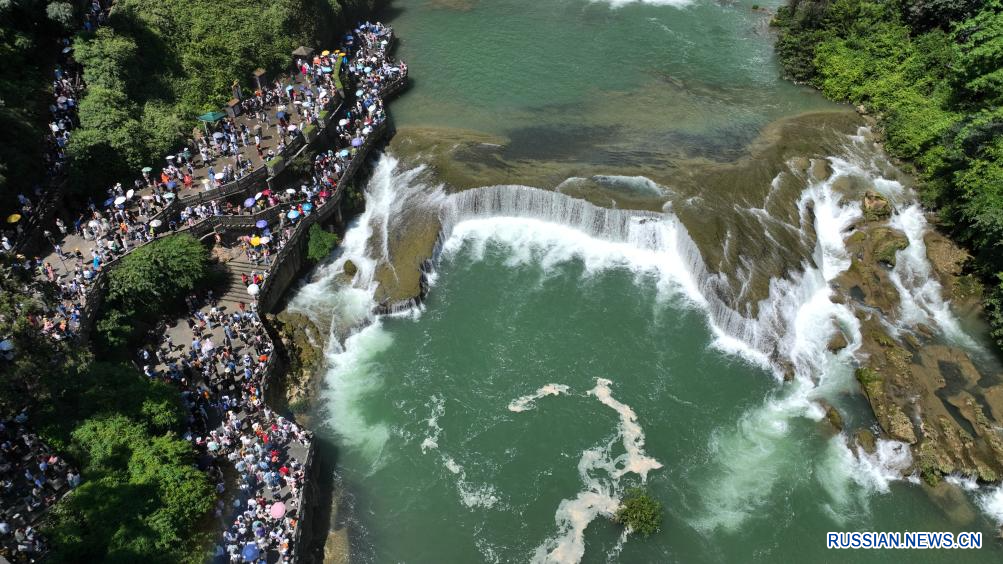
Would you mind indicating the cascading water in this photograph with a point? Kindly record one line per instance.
(788, 335)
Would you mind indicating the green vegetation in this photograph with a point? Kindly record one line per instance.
(141, 495)
(320, 243)
(932, 72)
(159, 64)
(274, 165)
(639, 512)
(148, 283)
(27, 48)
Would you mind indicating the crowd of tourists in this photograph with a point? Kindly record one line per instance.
(67, 88)
(32, 478)
(221, 374)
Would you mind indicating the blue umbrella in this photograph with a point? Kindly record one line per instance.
(281, 115)
(109, 201)
(357, 142)
(261, 224)
(367, 70)
(171, 185)
(307, 206)
(249, 203)
(325, 69)
(358, 93)
(250, 552)
(343, 152)
(293, 214)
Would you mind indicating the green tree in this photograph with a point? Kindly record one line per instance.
(152, 279)
(61, 13)
(320, 243)
(640, 513)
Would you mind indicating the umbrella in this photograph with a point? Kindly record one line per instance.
(325, 53)
(170, 157)
(263, 358)
(278, 510)
(358, 93)
(343, 122)
(148, 197)
(253, 289)
(290, 190)
(6, 345)
(119, 200)
(250, 552)
(14, 218)
(266, 192)
(323, 194)
(94, 224)
(261, 224)
(156, 223)
(280, 115)
(326, 69)
(130, 193)
(293, 214)
(291, 128)
(257, 196)
(266, 239)
(367, 70)
(168, 195)
(67, 49)
(172, 185)
(249, 203)
(343, 152)
(219, 176)
(211, 117)
(147, 169)
(109, 202)
(357, 142)
(307, 206)
(217, 135)
(255, 241)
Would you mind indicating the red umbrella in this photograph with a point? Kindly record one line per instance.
(266, 192)
(263, 357)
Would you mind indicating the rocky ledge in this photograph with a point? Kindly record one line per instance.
(923, 391)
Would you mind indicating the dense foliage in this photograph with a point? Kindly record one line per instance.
(932, 71)
(150, 282)
(28, 45)
(320, 243)
(640, 513)
(160, 64)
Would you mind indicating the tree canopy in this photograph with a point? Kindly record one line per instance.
(932, 71)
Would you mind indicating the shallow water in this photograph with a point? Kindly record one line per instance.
(565, 352)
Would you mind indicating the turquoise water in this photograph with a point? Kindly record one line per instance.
(563, 79)
(443, 471)
(644, 371)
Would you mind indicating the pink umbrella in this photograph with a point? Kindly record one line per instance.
(278, 510)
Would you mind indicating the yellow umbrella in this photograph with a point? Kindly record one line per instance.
(325, 53)
(14, 218)
(255, 241)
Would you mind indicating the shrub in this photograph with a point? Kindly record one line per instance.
(320, 243)
(154, 278)
(639, 512)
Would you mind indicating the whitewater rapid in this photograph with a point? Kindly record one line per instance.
(789, 334)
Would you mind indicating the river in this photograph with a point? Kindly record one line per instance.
(568, 351)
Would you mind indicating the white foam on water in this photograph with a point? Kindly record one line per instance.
(641, 185)
(471, 495)
(920, 293)
(991, 503)
(621, 3)
(600, 473)
(634, 460)
(966, 483)
(438, 405)
(354, 376)
(528, 401)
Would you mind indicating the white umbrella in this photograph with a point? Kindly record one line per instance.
(170, 157)
(219, 176)
(343, 122)
(119, 200)
(156, 223)
(266, 239)
(94, 223)
(257, 196)
(291, 128)
(290, 190)
(148, 197)
(130, 193)
(253, 289)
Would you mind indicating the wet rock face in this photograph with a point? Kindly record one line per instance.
(922, 391)
(305, 344)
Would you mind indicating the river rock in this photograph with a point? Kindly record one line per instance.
(838, 341)
(876, 206)
(866, 440)
(349, 268)
(820, 169)
(799, 164)
(833, 417)
(888, 242)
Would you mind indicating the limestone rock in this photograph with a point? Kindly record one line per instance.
(876, 207)
(867, 440)
(838, 341)
(820, 169)
(349, 268)
(834, 418)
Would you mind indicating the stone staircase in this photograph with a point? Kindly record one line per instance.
(234, 291)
